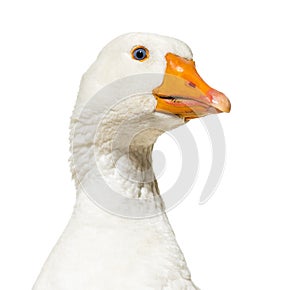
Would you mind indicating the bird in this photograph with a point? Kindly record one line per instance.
(119, 237)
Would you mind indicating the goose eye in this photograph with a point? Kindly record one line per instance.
(140, 53)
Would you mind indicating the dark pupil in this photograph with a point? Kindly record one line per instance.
(140, 54)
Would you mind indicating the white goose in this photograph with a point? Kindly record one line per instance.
(103, 247)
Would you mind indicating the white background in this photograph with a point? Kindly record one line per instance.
(247, 235)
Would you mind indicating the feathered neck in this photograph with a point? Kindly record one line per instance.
(97, 244)
(112, 141)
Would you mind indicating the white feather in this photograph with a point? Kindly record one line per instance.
(99, 250)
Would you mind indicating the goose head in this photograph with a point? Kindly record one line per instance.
(140, 86)
(175, 86)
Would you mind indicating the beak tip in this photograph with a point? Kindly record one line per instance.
(220, 101)
(227, 108)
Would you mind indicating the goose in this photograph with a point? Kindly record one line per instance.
(119, 237)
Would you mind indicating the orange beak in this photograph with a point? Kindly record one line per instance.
(184, 93)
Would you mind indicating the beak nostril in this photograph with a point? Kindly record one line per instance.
(191, 84)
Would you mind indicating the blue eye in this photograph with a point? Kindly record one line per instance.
(140, 53)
